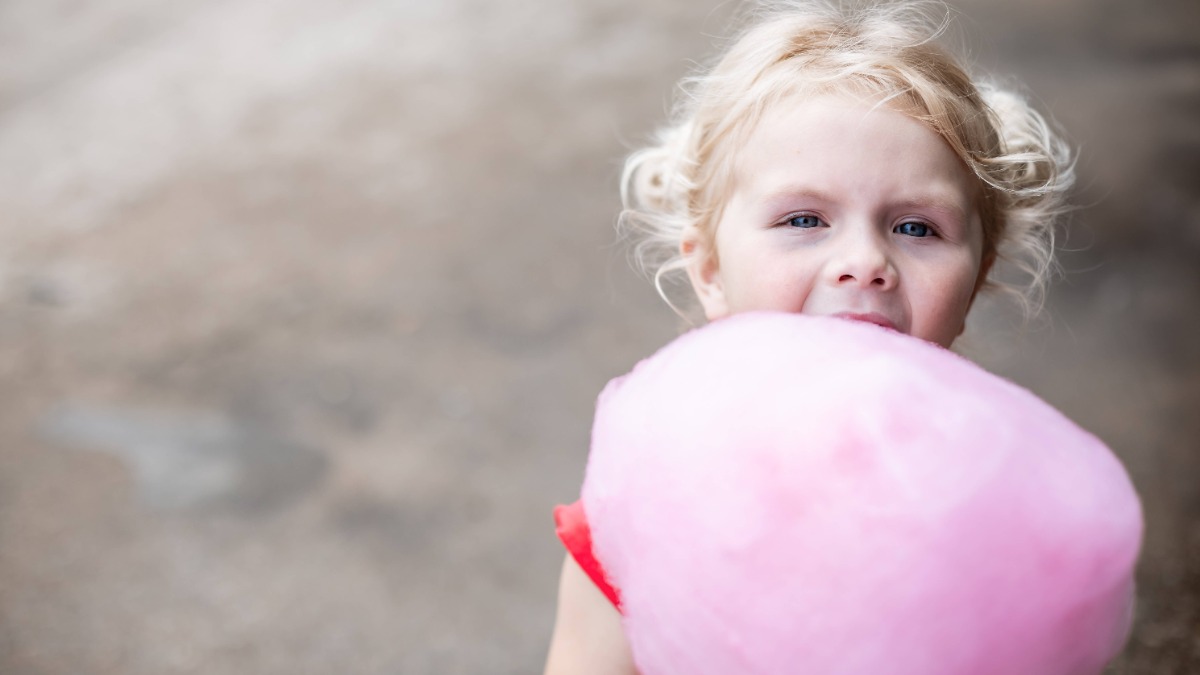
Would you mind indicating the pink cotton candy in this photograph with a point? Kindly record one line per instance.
(787, 494)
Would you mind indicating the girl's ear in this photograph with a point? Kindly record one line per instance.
(704, 271)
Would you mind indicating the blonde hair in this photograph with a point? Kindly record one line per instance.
(884, 52)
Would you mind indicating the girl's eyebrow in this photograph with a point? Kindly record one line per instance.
(932, 202)
(786, 193)
(947, 206)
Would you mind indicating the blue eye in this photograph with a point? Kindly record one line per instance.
(804, 221)
(914, 229)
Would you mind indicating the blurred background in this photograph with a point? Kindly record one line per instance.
(304, 305)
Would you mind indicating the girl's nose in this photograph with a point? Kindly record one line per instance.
(862, 260)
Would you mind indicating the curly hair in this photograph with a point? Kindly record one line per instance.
(882, 52)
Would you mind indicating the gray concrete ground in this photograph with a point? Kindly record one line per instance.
(304, 304)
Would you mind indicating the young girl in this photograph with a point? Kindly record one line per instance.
(834, 162)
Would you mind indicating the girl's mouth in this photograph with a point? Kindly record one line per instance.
(869, 317)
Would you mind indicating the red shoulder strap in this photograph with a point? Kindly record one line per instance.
(576, 535)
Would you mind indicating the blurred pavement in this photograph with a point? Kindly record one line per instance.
(304, 306)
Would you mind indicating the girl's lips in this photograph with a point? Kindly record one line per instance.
(869, 317)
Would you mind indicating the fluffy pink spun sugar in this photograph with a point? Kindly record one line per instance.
(787, 494)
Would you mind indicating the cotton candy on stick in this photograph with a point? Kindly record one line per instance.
(788, 494)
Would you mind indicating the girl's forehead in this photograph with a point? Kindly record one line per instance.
(852, 105)
(842, 129)
(849, 149)
(831, 122)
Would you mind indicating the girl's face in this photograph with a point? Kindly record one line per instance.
(838, 208)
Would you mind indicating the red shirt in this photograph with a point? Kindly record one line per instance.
(576, 535)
